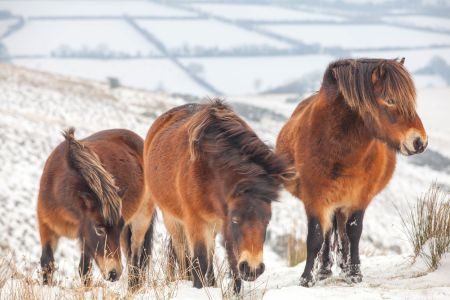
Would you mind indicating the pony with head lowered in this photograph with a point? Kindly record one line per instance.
(343, 143)
(209, 173)
(92, 190)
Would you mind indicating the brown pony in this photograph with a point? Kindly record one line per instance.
(209, 173)
(342, 142)
(92, 190)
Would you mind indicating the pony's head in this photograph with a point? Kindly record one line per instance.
(383, 93)
(249, 214)
(247, 221)
(100, 238)
(101, 203)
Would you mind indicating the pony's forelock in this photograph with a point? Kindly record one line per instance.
(353, 78)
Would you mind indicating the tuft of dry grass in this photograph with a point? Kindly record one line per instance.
(427, 225)
(296, 249)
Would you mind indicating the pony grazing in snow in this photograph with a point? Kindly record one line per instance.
(209, 173)
(92, 190)
(343, 143)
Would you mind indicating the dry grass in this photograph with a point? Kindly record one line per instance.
(427, 225)
(26, 283)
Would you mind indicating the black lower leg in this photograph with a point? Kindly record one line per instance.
(134, 272)
(210, 273)
(232, 262)
(326, 261)
(200, 264)
(354, 230)
(47, 264)
(342, 240)
(146, 251)
(84, 268)
(313, 245)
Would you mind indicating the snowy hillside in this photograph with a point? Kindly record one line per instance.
(36, 106)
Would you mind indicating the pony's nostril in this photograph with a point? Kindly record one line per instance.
(418, 145)
(112, 275)
(244, 268)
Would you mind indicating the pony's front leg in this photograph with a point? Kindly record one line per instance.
(314, 243)
(232, 261)
(85, 268)
(354, 228)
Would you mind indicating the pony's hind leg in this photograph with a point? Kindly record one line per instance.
(177, 250)
(49, 242)
(326, 260)
(354, 228)
(201, 241)
(140, 246)
(342, 241)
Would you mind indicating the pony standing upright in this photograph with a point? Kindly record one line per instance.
(93, 190)
(343, 143)
(209, 173)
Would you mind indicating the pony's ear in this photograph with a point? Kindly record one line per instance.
(87, 200)
(378, 73)
(402, 61)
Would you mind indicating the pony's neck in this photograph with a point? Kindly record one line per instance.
(343, 131)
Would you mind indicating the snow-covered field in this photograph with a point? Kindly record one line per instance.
(161, 52)
(209, 42)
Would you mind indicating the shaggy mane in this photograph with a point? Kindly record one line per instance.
(354, 80)
(217, 133)
(100, 181)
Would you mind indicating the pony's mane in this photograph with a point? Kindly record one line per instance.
(353, 78)
(100, 181)
(217, 133)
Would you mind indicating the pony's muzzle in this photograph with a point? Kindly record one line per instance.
(248, 273)
(414, 144)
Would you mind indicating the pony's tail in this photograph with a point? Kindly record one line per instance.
(101, 183)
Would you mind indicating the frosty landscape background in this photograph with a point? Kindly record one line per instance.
(108, 64)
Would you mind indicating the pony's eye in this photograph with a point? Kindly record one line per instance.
(390, 101)
(235, 220)
(99, 230)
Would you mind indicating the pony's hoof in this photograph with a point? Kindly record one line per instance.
(353, 274)
(324, 274)
(306, 282)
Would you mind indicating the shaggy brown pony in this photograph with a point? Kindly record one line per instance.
(91, 190)
(342, 142)
(208, 172)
